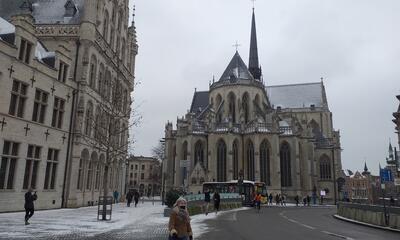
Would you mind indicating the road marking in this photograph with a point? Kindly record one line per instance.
(337, 235)
(293, 221)
(307, 226)
(234, 216)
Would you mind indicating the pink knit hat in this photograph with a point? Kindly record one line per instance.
(180, 202)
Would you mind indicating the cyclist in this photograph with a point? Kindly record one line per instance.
(257, 201)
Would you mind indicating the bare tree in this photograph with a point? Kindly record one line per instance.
(111, 123)
(159, 151)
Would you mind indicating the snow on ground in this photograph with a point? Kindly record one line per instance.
(81, 220)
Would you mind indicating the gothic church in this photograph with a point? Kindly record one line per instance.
(281, 135)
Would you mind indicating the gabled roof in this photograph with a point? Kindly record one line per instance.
(236, 69)
(44, 11)
(199, 102)
(297, 95)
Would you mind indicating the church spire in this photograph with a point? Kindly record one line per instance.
(254, 66)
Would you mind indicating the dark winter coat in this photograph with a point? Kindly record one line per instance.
(29, 199)
(217, 199)
(207, 197)
(129, 196)
(136, 196)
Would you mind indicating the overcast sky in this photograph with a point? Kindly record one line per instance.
(354, 45)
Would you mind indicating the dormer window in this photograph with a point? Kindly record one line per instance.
(25, 49)
(70, 9)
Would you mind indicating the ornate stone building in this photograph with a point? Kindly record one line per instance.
(144, 175)
(281, 135)
(65, 99)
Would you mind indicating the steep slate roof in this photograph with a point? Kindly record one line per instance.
(44, 11)
(199, 102)
(297, 95)
(236, 69)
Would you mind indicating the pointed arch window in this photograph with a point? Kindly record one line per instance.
(199, 153)
(235, 159)
(265, 167)
(286, 172)
(325, 168)
(250, 161)
(221, 161)
(105, 25)
(232, 107)
(184, 156)
(245, 106)
(92, 73)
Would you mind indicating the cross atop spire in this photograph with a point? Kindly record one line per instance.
(236, 45)
(254, 2)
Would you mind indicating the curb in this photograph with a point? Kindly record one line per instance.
(365, 224)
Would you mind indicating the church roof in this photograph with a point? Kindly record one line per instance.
(297, 95)
(236, 69)
(199, 102)
(44, 11)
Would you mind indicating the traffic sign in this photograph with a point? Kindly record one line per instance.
(386, 175)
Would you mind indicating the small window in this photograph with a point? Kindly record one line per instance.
(143, 167)
(18, 98)
(25, 51)
(142, 176)
(58, 112)
(62, 72)
(40, 106)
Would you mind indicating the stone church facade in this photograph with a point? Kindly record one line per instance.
(66, 79)
(241, 127)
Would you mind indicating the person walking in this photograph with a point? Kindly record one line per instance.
(136, 197)
(129, 197)
(116, 195)
(308, 200)
(207, 200)
(304, 201)
(270, 198)
(179, 222)
(297, 200)
(29, 206)
(217, 200)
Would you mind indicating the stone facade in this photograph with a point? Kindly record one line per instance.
(144, 175)
(82, 52)
(280, 135)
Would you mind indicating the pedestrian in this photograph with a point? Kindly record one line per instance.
(207, 200)
(29, 206)
(322, 199)
(179, 222)
(257, 201)
(217, 200)
(116, 195)
(391, 201)
(277, 199)
(304, 201)
(283, 201)
(136, 197)
(297, 200)
(270, 199)
(129, 197)
(308, 200)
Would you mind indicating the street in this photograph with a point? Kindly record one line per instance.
(289, 223)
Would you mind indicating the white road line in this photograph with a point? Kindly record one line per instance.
(338, 235)
(234, 216)
(307, 226)
(293, 221)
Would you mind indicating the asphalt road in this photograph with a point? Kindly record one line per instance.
(289, 223)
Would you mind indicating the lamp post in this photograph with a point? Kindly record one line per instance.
(334, 174)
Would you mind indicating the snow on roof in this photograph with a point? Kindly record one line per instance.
(296, 95)
(6, 27)
(41, 52)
